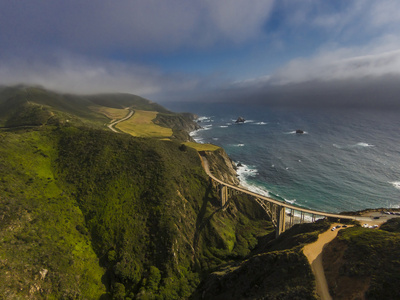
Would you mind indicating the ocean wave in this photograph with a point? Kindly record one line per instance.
(362, 144)
(204, 119)
(238, 145)
(223, 126)
(195, 133)
(290, 201)
(215, 139)
(260, 123)
(294, 132)
(198, 140)
(246, 171)
(396, 184)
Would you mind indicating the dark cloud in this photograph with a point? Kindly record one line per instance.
(128, 25)
(375, 93)
(96, 46)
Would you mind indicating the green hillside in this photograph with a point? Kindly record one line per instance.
(88, 213)
(122, 213)
(32, 106)
(364, 263)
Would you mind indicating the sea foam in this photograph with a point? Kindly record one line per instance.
(396, 184)
(362, 144)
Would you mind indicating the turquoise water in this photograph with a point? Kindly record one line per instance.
(346, 159)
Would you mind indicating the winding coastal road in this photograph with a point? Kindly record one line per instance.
(111, 125)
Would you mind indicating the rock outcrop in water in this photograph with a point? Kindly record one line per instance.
(240, 120)
(299, 131)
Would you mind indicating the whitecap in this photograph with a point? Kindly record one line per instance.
(215, 139)
(261, 123)
(396, 184)
(294, 132)
(290, 201)
(246, 171)
(249, 121)
(204, 119)
(198, 140)
(362, 144)
(223, 126)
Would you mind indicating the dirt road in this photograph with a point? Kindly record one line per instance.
(313, 252)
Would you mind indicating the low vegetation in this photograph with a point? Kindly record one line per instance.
(364, 263)
(275, 269)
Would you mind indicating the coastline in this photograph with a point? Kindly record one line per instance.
(377, 215)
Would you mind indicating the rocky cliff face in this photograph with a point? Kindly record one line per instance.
(181, 124)
(222, 166)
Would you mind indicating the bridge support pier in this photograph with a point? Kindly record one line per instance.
(280, 220)
(223, 194)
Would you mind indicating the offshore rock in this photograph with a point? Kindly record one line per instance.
(240, 120)
(299, 131)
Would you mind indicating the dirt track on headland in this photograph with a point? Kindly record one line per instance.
(313, 252)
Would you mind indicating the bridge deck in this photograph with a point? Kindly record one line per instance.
(280, 203)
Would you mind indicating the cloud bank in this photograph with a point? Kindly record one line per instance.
(333, 52)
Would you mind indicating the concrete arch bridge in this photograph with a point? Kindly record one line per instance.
(283, 215)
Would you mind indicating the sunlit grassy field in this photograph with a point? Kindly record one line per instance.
(111, 113)
(202, 147)
(141, 125)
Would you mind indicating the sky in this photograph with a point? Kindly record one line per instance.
(281, 52)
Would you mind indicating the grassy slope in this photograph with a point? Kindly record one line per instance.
(157, 199)
(202, 147)
(39, 225)
(32, 106)
(89, 204)
(36, 106)
(111, 113)
(275, 269)
(141, 125)
(362, 262)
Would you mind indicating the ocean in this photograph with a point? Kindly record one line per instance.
(346, 159)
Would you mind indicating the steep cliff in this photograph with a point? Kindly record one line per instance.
(222, 166)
